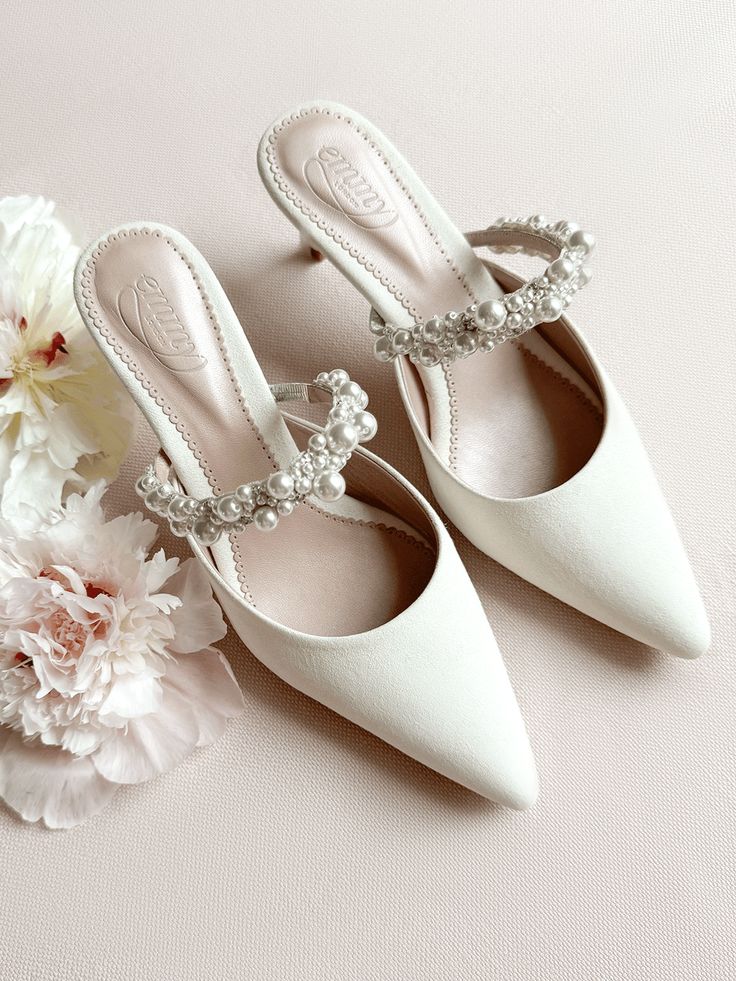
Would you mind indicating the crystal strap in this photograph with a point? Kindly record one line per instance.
(314, 472)
(482, 326)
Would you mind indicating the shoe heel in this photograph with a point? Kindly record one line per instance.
(309, 247)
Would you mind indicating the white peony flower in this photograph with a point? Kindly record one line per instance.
(106, 673)
(64, 417)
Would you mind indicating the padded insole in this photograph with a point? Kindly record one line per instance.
(322, 573)
(513, 423)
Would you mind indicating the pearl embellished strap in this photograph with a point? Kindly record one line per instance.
(314, 472)
(482, 326)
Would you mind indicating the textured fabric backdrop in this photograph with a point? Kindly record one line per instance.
(300, 847)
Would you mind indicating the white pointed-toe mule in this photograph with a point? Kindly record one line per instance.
(527, 445)
(358, 599)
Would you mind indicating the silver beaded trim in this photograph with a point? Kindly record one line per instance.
(482, 326)
(261, 503)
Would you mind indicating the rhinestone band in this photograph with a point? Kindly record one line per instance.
(484, 325)
(314, 472)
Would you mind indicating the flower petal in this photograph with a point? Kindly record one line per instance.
(151, 745)
(33, 487)
(131, 696)
(198, 621)
(26, 209)
(207, 682)
(42, 782)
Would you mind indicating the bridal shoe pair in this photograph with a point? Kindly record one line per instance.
(358, 597)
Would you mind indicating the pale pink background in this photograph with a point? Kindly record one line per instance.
(299, 847)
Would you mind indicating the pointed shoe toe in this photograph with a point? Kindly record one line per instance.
(667, 613)
(687, 633)
(603, 542)
(431, 682)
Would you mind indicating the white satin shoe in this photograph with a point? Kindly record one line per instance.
(358, 600)
(527, 445)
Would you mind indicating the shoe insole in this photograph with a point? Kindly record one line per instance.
(512, 423)
(328, 572)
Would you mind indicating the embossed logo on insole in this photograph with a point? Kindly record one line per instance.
(149, 316)
(344, 188)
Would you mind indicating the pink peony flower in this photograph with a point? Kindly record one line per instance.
(106, 673)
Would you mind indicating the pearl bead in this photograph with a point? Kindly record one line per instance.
(433, 330)
(465, 345)
(336, 461)
(145, 484)
(569, 228)
(340, 413)
(513, 321)
(228, 507)
(285, 507)
(366, 425)
(452, 319)
(491, 314)
(322, 378)
(280, 485)
(205, 531)
(514, 302)
(549, 309)
(338, 377)
(429, 356)
(302, 485)
(317, 442)
(382, 349)
(402, 341)
(329, 486)
(560, 270)
(179, 528)
(342, 436)
(583, 241)
(156, 501)
(178, 508)
(486, 343)
(350, 390)
(265, 518)
(245, 493)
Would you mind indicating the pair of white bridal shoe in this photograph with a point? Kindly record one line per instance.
(358, 597)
